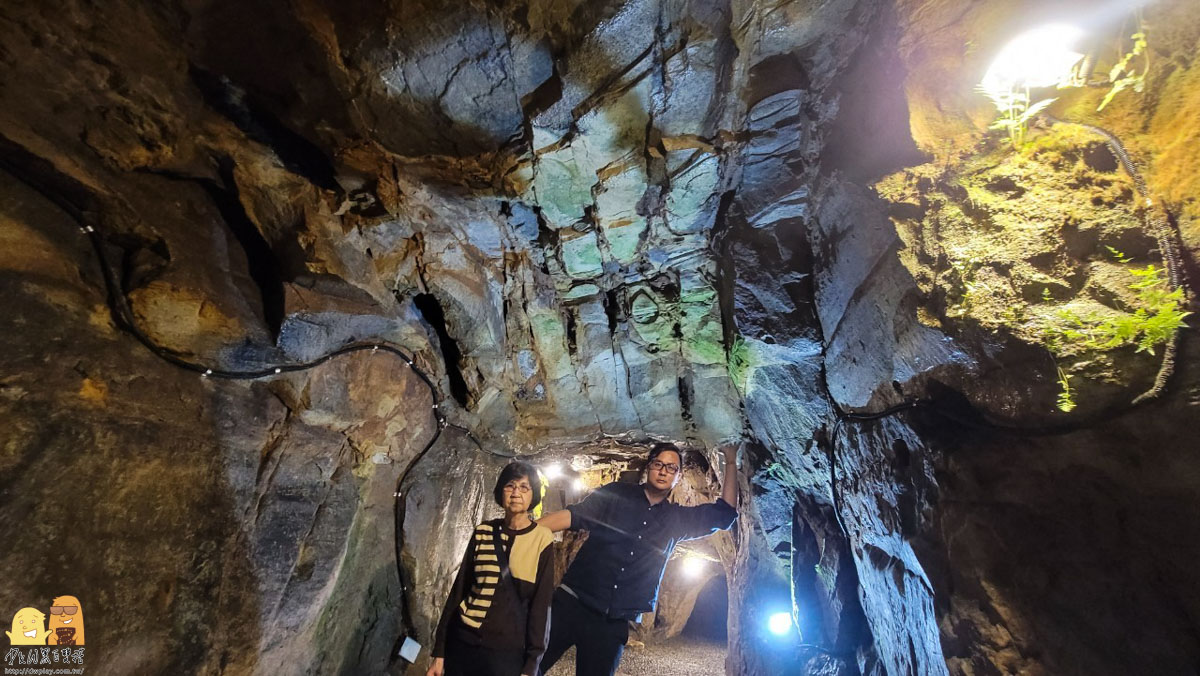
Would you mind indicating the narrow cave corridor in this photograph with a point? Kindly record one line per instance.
(908, 285)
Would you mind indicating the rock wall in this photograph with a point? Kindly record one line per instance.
(896, 482)
(868, 334)
(586, 220)
(205, 526)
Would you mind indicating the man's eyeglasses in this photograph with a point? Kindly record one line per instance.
(668, 468)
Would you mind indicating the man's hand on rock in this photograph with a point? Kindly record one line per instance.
(728, 451)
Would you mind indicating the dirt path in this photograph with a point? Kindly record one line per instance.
(680, 656)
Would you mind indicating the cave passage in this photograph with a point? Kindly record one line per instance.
(287, 285)
(709, 618)
(687, 632)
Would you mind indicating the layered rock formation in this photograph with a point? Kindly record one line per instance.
(591, 224)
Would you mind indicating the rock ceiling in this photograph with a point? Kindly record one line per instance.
(592, 223)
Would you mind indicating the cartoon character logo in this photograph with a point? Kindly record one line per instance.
(27, 628)
(66, 621)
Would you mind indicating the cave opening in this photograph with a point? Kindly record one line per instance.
(709, 620)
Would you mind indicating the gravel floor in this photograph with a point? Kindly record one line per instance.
(681, 656)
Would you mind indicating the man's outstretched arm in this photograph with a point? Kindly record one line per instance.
(729, 484)
(705, 519)
(558, 521)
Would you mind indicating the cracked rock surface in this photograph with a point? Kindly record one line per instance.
(592, 224)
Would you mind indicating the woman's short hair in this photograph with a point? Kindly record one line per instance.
(519, 470)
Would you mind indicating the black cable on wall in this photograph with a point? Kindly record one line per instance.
(123, 315)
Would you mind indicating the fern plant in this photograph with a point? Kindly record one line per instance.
(1158, 316)
(1066, 402)
(1015, 112)
(1123, 76)
(1118, 255)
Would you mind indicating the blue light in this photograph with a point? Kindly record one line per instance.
(780, 623)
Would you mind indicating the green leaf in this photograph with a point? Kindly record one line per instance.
(1118, 87)
(1035, 109)
(1117, 254)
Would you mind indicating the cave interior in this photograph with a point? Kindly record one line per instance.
(286, 283)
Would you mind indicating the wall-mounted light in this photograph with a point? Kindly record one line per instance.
(1041, 57)
(580, 485)
(693, 566)
(553, 471)
(779, 623)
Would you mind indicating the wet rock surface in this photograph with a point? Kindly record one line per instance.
(591, 225)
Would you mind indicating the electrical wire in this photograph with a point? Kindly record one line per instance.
(124, 317)
(1169, 245)
(118, 305)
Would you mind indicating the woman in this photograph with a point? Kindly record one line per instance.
(497, 618)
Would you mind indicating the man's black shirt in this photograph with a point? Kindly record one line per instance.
(619, 567)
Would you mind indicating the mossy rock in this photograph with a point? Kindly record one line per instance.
(1007, 243)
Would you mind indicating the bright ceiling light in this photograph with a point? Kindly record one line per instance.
(780, 623)
(553, 471)
(693, 566)
(1041, 57)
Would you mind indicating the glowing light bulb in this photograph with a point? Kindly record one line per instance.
(780, 623)
(693, 566)
(554, 471)
(580, 485)
(1041, 57)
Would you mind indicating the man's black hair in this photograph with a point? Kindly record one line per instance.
(517, 470)
(661, 446)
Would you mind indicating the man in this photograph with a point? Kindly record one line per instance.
(632, 530)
